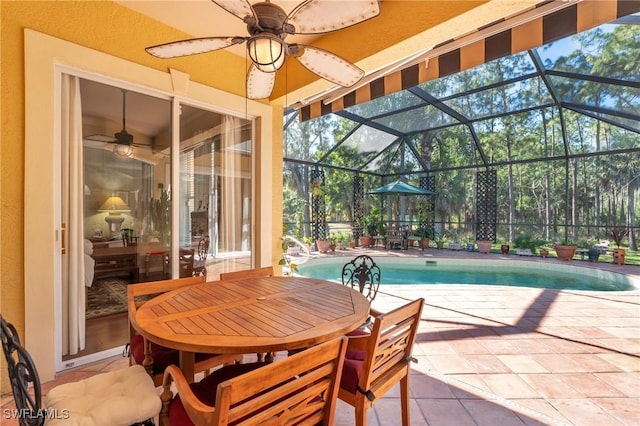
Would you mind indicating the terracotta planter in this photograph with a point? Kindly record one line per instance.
(565, 252)
(323, 245)
(484, 246)
(425, 243)
(366, 241)
(504, 249)
(618, 256)
(544, 253)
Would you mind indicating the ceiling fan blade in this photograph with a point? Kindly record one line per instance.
(321, 16)
(329, 66)
(192, 46)
(239, 8)
(100, 138)
(259, 83)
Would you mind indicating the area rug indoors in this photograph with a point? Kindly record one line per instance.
(107, 296)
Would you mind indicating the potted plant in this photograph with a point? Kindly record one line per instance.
(544, 253)
(341, 239)
(323, 243)
(484, 246)
(525, 245)
(366, 239)
(288, 267)
(440, 240)
(469, 244)
(453, 240)
(426, 234)
(566, 250)
(369, 224)
(504, 249)
(593, 253)
(618, 233)
(160, 216)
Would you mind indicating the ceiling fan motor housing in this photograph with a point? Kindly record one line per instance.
(271, 18)
(124, 138)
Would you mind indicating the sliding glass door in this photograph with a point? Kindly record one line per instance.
(128, 193)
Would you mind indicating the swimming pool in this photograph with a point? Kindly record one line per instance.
(534, 274)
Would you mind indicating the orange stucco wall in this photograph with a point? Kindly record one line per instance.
(89, 24)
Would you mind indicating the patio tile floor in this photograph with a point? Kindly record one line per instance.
(506, 356)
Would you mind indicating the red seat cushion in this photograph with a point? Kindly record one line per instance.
(205, 390)
(154, 252)
(162, 356)
(351, 374)
(352, 354)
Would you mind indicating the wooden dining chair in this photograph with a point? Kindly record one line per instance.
(301, 390)
(395, 237)
(153, 357)
(376, 361)
(121, 397)
(266, 271)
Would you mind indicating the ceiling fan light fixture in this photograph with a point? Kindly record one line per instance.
(123, 150)
(267, 51)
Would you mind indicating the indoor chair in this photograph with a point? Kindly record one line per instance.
(376, 361)
(200, 260)
(153, 357)
(128, 238)
(185, 263)
(117, 398)
(266, 271)
(300, 389)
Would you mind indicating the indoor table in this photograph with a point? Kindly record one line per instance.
(251, 315)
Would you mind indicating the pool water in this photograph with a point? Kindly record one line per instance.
(397, 271)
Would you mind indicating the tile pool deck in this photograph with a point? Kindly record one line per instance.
(505, 355)
(518, 356)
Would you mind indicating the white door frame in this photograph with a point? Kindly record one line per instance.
(43, 55)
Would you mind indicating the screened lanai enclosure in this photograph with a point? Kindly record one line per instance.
(544, 143)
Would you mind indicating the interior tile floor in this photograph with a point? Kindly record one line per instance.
(504, 356)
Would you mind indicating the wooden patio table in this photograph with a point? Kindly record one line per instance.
(253, 315)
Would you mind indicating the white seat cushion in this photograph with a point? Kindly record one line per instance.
(120, 397)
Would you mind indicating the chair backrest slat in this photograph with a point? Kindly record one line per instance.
(302, 387)
(392, 339)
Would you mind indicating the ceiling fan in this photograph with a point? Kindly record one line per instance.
(268, 26)
(123, 140)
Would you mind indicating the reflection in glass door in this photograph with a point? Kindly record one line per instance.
(128, 197)
(126, 138)
(215, 192)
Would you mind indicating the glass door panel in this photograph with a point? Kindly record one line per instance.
(214, 192)
(127, 140)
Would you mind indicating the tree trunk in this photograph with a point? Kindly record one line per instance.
(574, 199)
(633, 244)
